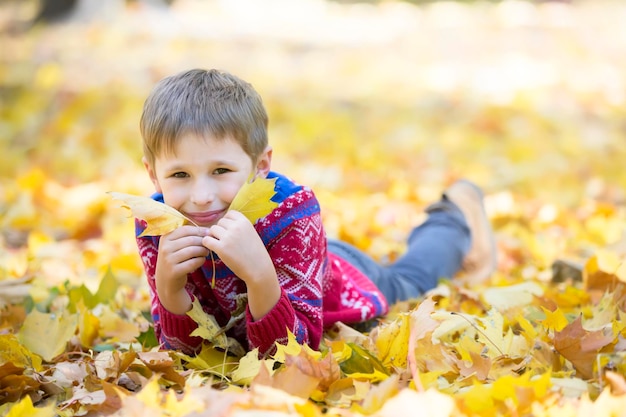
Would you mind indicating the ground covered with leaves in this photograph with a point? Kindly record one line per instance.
(377, 108)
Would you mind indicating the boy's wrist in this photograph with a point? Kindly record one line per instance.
(177, 302)
(262, 274)
(263, 294)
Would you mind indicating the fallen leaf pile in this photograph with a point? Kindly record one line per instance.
(377, 108)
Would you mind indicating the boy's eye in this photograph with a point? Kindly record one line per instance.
(219, 171)
(179, 175)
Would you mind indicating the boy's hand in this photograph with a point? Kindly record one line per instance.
(180, 253)
(240, 247)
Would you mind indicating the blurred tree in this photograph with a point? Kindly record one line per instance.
(52, 10)
(55, 10)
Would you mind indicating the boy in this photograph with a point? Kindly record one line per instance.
(204, 134)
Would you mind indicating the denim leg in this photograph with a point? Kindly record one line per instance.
(435, 250)
(360, 260)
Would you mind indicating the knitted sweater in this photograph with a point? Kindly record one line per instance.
(317, 288)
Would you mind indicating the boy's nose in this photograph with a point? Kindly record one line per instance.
(202, 193)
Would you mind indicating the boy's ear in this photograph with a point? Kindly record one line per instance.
(264, 163)
(152, 174)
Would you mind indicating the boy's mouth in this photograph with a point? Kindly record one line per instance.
(206, 217)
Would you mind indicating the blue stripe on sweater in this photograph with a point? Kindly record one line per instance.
(306, 209)
(314, 302)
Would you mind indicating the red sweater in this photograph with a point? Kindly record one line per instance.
(318, 288)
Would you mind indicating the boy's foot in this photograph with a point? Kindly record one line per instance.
(480, 261)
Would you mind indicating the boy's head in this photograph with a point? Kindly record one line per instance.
(203, 103)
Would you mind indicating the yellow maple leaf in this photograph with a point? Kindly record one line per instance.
(488, 330)
(160, 218)
(212, 360)
(521, 390)
(293, 348)
(208, 328)
(88, 325)
(249, 367)
(347, 390)
(112, 324)
(26, 408)
(12, 351)
(477, 400)
(379, 394)
(392, 342)
(528, 330)
(603, 313)
(55, 329)
(253, 199)
(555, 320)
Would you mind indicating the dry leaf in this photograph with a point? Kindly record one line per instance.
(555, 320)
(208, 328)
(26, 408)
(55, 329)
(427, 403)
(580, 346)
(296, 377)
(392, 341)
(249, 367)
(420, 324)
(325, 369)
(254, 199)
(160, 218)
(14, 384)
(11, 350)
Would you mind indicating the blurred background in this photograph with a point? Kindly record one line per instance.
(377, 105)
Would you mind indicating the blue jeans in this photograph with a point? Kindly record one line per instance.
(435, 250)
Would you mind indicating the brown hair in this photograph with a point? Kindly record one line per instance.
(203, 102)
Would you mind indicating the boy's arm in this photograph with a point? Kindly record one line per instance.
(172, 330)
(180, 252)
(299, 256)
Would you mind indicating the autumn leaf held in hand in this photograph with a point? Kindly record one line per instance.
(254, 198)
(159, 217)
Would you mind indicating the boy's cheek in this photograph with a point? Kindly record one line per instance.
(171, 197)
(228, 195)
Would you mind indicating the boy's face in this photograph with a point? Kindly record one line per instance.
(203, 175)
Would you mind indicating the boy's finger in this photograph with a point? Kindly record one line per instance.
(196, 230)
(209, 242)
(190, 230)
(217, 231)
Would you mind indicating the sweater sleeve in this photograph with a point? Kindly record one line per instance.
(298, 251)
(172, 330)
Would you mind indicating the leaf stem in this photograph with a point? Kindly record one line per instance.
(213, 264)
(478, 330)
